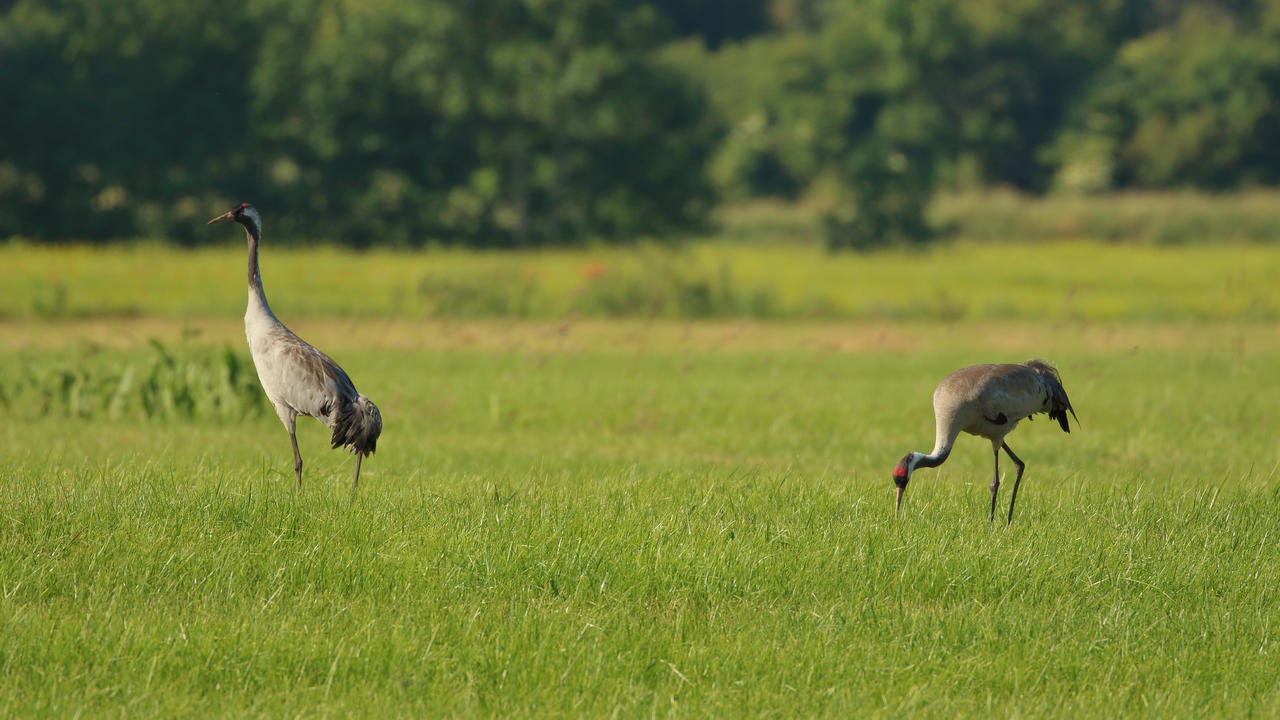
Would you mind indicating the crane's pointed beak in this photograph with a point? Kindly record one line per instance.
(221, 218)
(901, 476)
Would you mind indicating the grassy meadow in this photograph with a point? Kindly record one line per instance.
(673, 502)
(764, 264)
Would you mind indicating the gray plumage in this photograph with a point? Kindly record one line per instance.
(989, 401)
(299, 379)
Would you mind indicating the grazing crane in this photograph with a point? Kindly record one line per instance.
(989, 400)
(299, 379)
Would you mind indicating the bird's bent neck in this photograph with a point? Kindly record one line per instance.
(933, 459)
(942, 444)
(939, 455)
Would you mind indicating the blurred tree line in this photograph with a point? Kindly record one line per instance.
(525, 122)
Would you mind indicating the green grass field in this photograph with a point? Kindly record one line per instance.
(581, 516)
(963, 280)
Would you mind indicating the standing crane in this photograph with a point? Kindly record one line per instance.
(299, 379)
(989, 401)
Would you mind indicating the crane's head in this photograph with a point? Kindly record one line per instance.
(245, 214)
(902, 475)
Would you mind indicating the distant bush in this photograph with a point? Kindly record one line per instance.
(1159, 218)
(167, 385)
(667, 285)
(651, 281)
(496, 294)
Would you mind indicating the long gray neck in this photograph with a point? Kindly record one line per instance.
(252, 232)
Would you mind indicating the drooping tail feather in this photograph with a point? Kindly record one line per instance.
(1059, 404)
(358, 426)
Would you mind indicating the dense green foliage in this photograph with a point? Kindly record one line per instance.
(497, 123)
(525, 122)
(889, 100)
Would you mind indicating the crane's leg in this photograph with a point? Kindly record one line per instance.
(995, 483)
(1017, 479)
(292, 424)
(356, 482)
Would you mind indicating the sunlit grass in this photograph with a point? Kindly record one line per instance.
(1064, 280)
(684, 512)
(696, 525)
